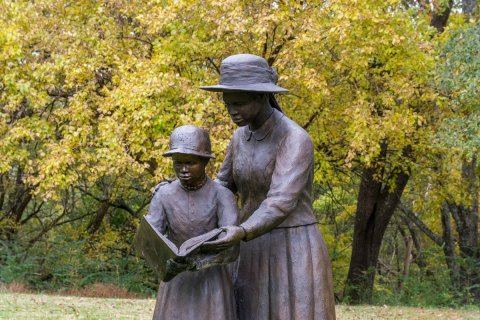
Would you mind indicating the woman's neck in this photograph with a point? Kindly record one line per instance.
(261, 117)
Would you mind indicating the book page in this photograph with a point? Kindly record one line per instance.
(155, 247)
(190, 246)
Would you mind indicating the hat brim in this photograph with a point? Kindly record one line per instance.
(171, 152)
(257, 87)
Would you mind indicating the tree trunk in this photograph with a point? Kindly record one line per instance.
(466, 274)
(2, 192)
(14, 200)
(97, 219)
(469, 7)
(375, 207)
(466, 222)
(417, 254)
(449, 245)
(440, 16)
(407, 257)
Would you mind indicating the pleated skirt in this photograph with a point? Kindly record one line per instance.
(285, 275)
(205, 294)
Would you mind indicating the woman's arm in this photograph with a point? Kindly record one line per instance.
(225, 175)
(291, 176)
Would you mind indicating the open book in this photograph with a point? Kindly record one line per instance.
(157, 249)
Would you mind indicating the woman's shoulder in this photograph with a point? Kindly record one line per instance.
(290, 130)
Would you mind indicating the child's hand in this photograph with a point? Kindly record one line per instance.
(175, 267)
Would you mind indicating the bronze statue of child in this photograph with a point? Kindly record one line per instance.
(193, 204)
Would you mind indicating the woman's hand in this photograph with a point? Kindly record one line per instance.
(232, 236)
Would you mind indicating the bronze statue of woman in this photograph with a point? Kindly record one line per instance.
(284, 270)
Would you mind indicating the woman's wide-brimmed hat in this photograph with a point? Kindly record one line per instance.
(192, 140)
(246, 73)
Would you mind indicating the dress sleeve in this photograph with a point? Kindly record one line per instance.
(225, 175)
(227, 209)
(227, 214)
(293, 171)
(156, 214)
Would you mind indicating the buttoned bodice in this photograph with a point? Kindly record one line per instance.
(271, 169)
(183, 214)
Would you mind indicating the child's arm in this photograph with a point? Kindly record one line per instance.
(156, 214)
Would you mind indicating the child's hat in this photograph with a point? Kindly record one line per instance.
(192, 140)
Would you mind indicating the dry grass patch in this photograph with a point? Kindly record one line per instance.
(14, 287)
(101, 290)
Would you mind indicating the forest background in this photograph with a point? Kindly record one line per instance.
(388, 91)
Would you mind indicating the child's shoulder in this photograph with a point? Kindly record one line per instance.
(164, 187)
(222, 190)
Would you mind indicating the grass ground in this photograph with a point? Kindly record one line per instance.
(39, 306)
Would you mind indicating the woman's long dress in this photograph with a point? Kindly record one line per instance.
(284, 270)
(183, 214)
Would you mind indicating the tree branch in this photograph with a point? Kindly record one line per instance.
(411, 216)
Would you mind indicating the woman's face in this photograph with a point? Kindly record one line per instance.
(242, 107)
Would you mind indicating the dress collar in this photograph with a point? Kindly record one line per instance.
(267, 127)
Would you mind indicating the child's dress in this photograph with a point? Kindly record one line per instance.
(183, 214)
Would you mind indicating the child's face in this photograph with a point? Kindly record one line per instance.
(190, 169)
